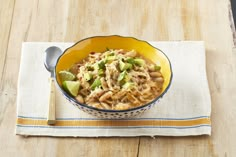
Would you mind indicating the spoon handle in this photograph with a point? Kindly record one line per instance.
(51, 106)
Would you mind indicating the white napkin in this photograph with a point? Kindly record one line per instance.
(184, 110)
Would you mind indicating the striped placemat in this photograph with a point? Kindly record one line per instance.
(184, 110)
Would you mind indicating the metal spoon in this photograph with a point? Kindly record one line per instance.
(50, 59)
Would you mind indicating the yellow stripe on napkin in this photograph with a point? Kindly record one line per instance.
(117, 123)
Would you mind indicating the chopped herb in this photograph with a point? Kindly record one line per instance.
(121, 65)
(96, 84)
(130, 60)
(124, 66)
(157, 67)
(111, 54)
(100, 72)
(122, 76)
(88, 76)
(139, 61)
(101, 64)
(110, 58)
(128, 85)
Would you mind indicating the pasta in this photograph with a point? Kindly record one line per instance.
(117, 80)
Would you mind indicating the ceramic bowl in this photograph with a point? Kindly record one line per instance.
(81, 50)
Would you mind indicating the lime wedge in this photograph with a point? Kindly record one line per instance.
(72, 87)
(66, 76)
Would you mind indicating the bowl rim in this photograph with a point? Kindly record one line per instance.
(106, 110)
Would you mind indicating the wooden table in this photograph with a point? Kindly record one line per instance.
(65, 21)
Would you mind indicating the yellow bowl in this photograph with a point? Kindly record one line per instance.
(81, 50)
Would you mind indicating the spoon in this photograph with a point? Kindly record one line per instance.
(50, 60)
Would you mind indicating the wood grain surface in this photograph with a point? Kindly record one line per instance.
(153, 20)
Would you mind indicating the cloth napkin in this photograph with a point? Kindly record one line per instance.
(184, 110)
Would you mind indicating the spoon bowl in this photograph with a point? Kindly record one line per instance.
(50, 58)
